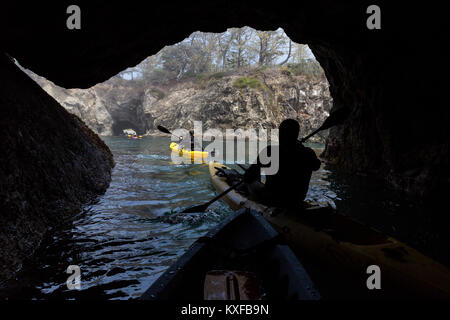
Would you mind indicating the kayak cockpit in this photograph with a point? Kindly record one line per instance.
(244, 247)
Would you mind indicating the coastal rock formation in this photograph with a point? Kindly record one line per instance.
(223, 102)
(51, 165)
(106, 108)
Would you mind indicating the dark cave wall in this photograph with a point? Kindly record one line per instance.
(51, 164)
(394, 80)
(398, 130)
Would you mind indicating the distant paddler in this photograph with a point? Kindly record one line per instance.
(195, 146)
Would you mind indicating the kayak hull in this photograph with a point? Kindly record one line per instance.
(244, 243)
(202, 155)
(346, 248)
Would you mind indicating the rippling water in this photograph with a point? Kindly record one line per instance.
(122, 243)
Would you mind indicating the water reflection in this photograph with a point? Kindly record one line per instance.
(424, 228)
(122, 242)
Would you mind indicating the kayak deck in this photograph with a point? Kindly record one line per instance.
(187, 153)
(244, 243)
(345, 246)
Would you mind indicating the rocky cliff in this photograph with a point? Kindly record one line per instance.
(251, 99)
(51, 165)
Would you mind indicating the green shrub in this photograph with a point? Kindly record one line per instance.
(286, 72)
(218, 75)
(244, 82)
(308, 67)
(158, 93)
(200, 76)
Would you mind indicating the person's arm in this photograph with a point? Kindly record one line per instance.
(180, 144)
(253, 173)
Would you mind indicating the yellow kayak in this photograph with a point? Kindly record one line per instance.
(346, 248)
(187, 153)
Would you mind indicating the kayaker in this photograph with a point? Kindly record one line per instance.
(194, 145)
(289, 185)
(180, 142)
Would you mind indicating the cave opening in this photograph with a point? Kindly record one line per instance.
(241, 78)
(119, 126)
(399, 139)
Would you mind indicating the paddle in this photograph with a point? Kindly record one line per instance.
(333, 119)
(163, 129)
(203, 207)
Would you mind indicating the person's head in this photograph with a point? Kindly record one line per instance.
(191, 132)
(289, 130)
(180, 138)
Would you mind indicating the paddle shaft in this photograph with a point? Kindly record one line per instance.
(234, 186)
(203, 207)
(334, 119)
(311, 134)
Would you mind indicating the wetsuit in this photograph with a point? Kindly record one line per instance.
(288, 187)
(195, 146)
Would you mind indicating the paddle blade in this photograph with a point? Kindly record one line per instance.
(162, 129)
(199, 208)
(335, 118)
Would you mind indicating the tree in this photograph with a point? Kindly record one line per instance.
(269, 46)
(202, 46)
(148, 66)
(300, 52)
(239, 46)
(203, 53)
(223, 43)
(289, 53)
(175, 59)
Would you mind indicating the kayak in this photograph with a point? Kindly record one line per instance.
(240, 259)
(345, 248)
(187, 153)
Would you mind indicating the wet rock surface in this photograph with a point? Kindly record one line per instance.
(51, 165)
(106, 108)
(398, 131)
